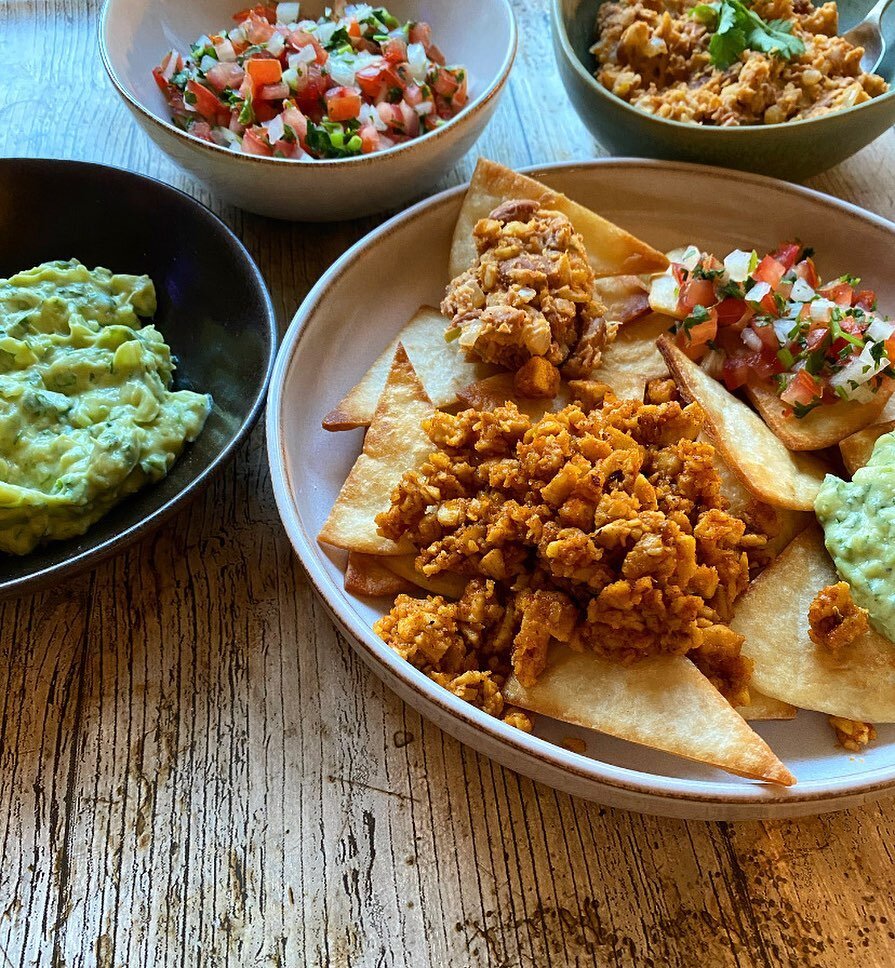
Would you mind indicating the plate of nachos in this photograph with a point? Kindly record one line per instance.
(593, 471)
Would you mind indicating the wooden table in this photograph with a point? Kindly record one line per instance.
(196, 770)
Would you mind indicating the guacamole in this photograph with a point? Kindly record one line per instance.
(87, 414)
(858, 518)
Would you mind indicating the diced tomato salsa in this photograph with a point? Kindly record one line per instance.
(344, 85)
(771, 320)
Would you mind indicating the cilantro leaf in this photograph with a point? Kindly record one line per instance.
(740, 28)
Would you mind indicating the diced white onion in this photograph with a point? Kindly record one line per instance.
(801, 291)
(424, 108)
(664, 295)
(418, 62)
(880, 330)
(276, 44)
(207, 63)
(687, 257)
(821, 310)
(859, 370)
(170, 66)
(288, 13)
(237, 35)
(752, 339)
(204, 41)
(227, 139)
(275, 128)
(305, 56)
(225, 51)
(358, 11)
(783, 327)
(471, 332)
(739, 264)
(757, 292)
(369, 115)
(341, 70)
(325, 31)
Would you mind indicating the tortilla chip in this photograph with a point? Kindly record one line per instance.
(857, 448)
(368, 577)
(760, 460)
(626, 298)
(632, 360)
(611, 250)
(447, 584)
(763, 708)
(663, 702)
(395, 443)
(858, 683)
(824, 426)
(496, 390)
(782, 524)
(442, 368)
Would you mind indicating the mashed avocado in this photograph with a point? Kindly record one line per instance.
(87, 415)
(858, 517)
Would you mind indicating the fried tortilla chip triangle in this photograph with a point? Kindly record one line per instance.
(663, 702)
(395, 443)
(858, 682)
(760, 460)
(824, 426)
(612, 251)
(441, 367)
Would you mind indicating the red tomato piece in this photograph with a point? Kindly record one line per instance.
(301, 38)
(806, 270)
(421, 33)
(696, 292)
(264, 70)
(787, 254)
(296, 120)
(735, 371)
(803, 390)
(342, 103)
(369, 137)
(731, 311)
(254, 142)
(864, 299)
(840, 293)
(701, 333)
(769, 270)
(225, 75)
(768, 337)
(207, 103)
(259, 10)
(394, 50)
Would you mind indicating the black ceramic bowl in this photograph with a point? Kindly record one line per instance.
(213, 309)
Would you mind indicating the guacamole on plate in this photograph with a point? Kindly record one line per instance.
(858, 518)
(87, 413)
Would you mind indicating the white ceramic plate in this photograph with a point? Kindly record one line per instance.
(358, 306)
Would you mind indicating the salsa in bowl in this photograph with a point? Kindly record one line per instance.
(371, 132)
(278, 85)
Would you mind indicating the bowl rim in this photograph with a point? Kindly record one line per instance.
(92, 556)
(474, 108)
(766, 799)
(731, 132)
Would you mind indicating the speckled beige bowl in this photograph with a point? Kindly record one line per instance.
(480, 34)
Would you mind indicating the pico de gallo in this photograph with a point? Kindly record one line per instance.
(770, 320)
(353, 82)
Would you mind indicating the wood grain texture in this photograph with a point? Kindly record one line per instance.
(196, 770)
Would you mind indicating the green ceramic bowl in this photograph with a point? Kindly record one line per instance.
(795, 150)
